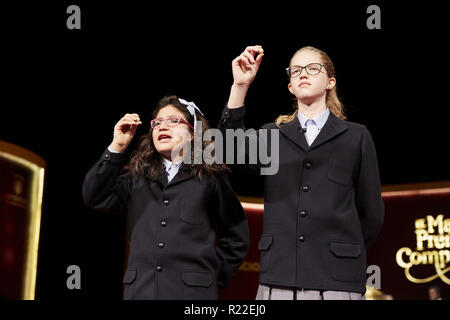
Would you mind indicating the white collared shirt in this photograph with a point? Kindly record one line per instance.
(172, 168)
(314, 125)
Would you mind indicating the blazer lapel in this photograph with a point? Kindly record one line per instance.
(180, 176)
(162, 178)
(291, 131)
(333, 127)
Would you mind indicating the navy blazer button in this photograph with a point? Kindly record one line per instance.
(161, 245)
(164, 223)
(303, 213)
(159, 268)
(305, 188)
(301, 239)
(308, 165)
(166, 202)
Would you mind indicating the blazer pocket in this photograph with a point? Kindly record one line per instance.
(129, 282)
(197, 279)
(345, 249)
(193, 211)
(346, 265)
(264, 245)
(339, 172)
(198, 285)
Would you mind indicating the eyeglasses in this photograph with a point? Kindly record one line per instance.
(312, 69)
(171, 122)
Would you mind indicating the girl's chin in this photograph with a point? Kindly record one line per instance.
(169, 153)
(307, 99)
(165, 152)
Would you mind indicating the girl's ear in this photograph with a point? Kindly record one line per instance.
(290, 88)
(331, 83)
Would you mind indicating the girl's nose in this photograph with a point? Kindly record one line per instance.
(303, 74)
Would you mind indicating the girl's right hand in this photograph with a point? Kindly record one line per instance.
(245, 66)
(124, 131)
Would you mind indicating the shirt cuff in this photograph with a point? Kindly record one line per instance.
(112, 150)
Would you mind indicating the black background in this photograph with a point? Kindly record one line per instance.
(63, 91)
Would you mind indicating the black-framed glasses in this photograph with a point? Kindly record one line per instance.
(312, 69)
(171, 122)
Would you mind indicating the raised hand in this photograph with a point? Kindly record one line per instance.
(124, 131)
(245, 66)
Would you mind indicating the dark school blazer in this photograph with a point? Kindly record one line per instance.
(173, 229)
(321, 209)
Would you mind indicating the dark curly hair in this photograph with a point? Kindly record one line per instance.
(148, 162)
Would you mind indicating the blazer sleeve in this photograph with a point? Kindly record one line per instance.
(234, 119)
(104, 187)
(232, 231)
(368, 190)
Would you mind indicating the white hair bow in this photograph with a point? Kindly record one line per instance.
(191, 108)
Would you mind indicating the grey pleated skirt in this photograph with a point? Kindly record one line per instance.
(285, 293)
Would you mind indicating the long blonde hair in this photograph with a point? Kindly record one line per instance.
(333, 104)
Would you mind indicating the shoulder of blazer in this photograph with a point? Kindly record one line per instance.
(126, 175)
(221, 175)
(270, 125)
(355, 129)
(353, 125)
